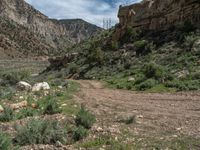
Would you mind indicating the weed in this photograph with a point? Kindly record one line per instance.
(39, 132)
(7, 115)
(84, 118)
(5, 142)
(79, 133)
(51, 106)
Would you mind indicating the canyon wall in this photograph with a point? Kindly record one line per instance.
(159, 14)
(19, 18)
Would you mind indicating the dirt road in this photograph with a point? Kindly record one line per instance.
(155, 114)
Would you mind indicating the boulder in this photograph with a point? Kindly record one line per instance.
(24, 86)
(1, 109)
(41, 86)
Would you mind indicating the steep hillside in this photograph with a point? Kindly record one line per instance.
(128, 57)
(19, 19)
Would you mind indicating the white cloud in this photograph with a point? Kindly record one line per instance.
(90, 10)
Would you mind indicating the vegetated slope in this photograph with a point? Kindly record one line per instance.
(26, 31)
(134, 58)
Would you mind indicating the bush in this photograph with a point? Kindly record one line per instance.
(84, 118)
(56, 82)
(12, 78)
(7, 93)
(39, 132)
(114, 45)
(139, 45)
(189, 85)
(7, 115)
(189, 41)
(5, 142)
(149, 83)
(96, 55)
(51, 107)
(26, 112)
(154, 71)
(143, 47)
(129, 36)
(79, 133)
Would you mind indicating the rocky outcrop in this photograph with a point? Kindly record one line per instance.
(21, 20)
(159, 14)
(62, 61)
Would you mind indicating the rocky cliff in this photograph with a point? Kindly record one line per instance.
(159, 14)
(54, 35)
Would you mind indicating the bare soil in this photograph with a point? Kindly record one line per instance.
(157, 114)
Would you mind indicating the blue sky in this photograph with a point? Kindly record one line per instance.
(92, 11)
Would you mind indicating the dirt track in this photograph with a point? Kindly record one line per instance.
(156, 114)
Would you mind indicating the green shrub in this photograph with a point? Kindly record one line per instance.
(143, 47)
(84, 118)
(7, 115)
(96, 55)
(39, 132)
(188, 85)
(189, 41)
(129, 36)
(26, 112)
(149, 83)
(51, 106)
(7, 93)
(139, 45)
(12, 78)
(79, 133)
(154, 71)
(5, 142)
(114, 45)
(73, 68)
(56, 82)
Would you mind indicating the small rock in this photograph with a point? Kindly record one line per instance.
(63, 105)
(19, 105)
(60, 87)
(196, 46)
(46, 93)
(1, 109)
(24, 86)
(175, 136)
(178, 129)
(131, 79)
(21, 97)
(58, 144)
(33, 105)
(140, 116)
(41, 86)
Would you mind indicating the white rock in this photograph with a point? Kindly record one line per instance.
(24, 86)
(1, 109)
(131, 79)
(60, 87)
(140, 116)
(21, 97)
(63, 105)
(41, 86)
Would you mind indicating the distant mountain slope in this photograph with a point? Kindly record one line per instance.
(24, 31)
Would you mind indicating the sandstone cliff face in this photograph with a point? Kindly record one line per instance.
(54, 34)
(159, 14)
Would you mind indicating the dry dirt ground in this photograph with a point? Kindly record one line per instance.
(161, 115)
